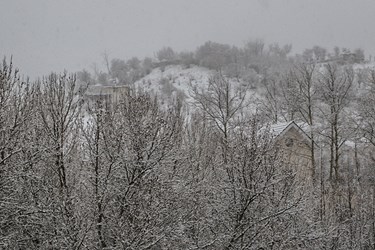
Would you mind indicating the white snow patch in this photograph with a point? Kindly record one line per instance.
(178, 80)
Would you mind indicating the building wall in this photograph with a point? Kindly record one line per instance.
(110, 94)
(296, 153)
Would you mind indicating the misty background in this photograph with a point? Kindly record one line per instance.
(175, 124)
(44, 36)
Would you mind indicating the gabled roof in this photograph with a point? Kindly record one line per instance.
(279, 129)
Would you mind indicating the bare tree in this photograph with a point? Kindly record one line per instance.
(200, 178)
(300, 94)
(262, 192)
(131, 148)
(272, 104)
(99, 169)
(367, 110)
(221, 102)
(16, 159)
(59, 102)
(336, 85)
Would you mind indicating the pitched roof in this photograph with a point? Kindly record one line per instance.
(280, 129)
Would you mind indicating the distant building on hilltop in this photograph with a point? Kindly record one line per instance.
(110, 94)
(349, 57)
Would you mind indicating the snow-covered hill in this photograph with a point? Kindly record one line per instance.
(178, 81)
(364, 66)
(174, 80)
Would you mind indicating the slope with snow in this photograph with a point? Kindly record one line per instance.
(178, 81)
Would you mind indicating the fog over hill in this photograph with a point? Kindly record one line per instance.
(200, 124)
(45, 36)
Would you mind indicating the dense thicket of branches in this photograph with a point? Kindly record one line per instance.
(80, 174)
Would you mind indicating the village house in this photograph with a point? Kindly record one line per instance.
(295, 145)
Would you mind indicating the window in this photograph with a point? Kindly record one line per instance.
(289, 142)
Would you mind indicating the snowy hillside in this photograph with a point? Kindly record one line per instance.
(362, 66)
(174, 80)
(178, 81)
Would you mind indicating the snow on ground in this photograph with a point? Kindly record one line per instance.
(177, 80)
(174, 78)
(360, 66)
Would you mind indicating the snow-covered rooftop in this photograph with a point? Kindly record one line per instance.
(278, 128)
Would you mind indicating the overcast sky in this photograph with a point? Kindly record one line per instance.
(47, 35)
